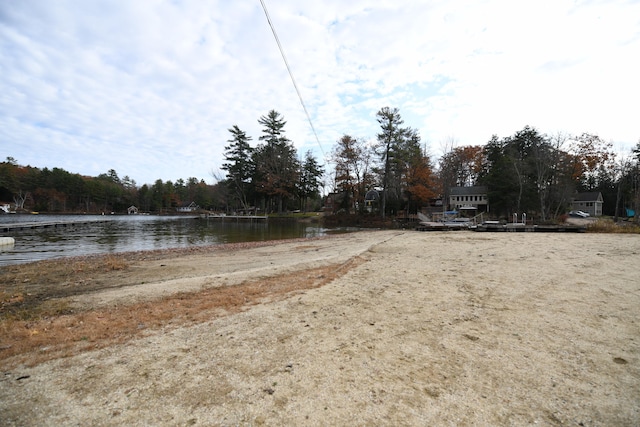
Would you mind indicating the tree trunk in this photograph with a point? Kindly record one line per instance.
(618, 197)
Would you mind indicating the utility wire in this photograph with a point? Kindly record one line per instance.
(286, 63)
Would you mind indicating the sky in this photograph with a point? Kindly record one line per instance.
(149, 88)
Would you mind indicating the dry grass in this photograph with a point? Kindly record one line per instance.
(50, 330)
(113, 262)
(608, 226)
(29, 288)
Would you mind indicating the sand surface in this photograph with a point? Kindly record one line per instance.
(437, 328)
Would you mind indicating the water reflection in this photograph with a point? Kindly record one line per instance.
(134, 233)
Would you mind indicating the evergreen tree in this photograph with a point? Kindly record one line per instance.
(528, 172)
(277, 168)
(239, 166)
(309, 179)
(402, 163)
(390, 139)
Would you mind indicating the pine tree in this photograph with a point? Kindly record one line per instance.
(277, 168)
(239, 166)
(309, 179)
(388, 140)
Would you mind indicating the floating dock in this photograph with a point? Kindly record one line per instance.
(529, 228)
(235, 218)
(6, 227)
(495, 226)
(441, 226)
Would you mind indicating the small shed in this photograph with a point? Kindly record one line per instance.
(132, 210)
(590, 202)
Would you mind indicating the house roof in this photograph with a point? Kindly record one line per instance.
(594, 196)
(465, 191)
(188, 205)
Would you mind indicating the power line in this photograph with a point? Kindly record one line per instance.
(286, 63)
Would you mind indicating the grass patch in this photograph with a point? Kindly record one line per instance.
(33, 291)
(604, 225)
(113, 262)
(22, 307)
(50, 330)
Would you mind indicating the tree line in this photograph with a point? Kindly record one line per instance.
(526, 172)
(270, 177)
(394, 173)
(267, 178)
(541, 174)
(59, 191)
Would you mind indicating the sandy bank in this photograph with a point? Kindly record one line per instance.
(454, 328)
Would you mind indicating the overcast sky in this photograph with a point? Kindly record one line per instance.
(150, 88)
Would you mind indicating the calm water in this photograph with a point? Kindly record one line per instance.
(134, 233)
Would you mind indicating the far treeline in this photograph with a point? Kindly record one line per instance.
(526, 172)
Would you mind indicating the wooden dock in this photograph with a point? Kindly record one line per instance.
(6, 227)
(495, 226)
(235, 218)
(529, 228)
(440, 226)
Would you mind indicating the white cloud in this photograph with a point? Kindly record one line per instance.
(149, 88)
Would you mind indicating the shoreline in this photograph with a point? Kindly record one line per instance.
(383, 327)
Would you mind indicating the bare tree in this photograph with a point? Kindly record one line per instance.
(352, 158)
(20, 198)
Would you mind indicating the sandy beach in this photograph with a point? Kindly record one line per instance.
(370, 328)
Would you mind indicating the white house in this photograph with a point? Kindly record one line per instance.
(191, 207)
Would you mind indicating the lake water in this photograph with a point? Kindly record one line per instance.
(135, 233)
